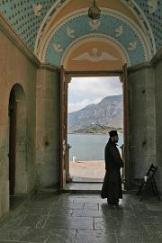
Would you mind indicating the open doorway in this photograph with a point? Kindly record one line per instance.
(17, 145)
(95, 106)
(12, 141)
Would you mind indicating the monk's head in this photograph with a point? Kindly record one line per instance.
(114, 136)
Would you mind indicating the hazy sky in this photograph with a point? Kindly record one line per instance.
(88, 90)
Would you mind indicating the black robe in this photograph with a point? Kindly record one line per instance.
(111, 188)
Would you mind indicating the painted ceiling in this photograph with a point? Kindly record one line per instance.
(140, 36)
(109, 25)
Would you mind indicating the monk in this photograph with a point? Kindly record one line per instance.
(111, 188)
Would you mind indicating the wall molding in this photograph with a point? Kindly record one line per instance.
(48, 66)
(139, 66)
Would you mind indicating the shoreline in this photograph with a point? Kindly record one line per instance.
(86, 133)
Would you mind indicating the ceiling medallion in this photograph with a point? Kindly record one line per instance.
(94, 12)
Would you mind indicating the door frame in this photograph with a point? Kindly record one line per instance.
(122, 74)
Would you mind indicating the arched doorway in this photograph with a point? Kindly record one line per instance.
(12, 142)
(17, 141)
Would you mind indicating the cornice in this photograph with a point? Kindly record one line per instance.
(48, 66)
(137, 67)
(10, 33)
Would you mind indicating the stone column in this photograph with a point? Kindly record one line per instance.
(142, 125)
(47, 127)
(4, 172)
(157, 64)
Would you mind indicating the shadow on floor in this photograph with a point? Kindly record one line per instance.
(16, 201)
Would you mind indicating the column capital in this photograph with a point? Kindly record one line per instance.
(68, 78)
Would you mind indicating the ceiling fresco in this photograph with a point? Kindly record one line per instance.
(28, 17)
(95, 53)
(80, 26)
(153, 13)
(25, 16)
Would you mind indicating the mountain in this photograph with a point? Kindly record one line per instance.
(107, 113)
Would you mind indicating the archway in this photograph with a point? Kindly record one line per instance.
(12, 142)
(17, 141)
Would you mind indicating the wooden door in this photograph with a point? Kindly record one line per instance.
(126, 126)
(63, 127)
(12, 142)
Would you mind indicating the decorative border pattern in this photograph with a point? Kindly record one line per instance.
(57, 6)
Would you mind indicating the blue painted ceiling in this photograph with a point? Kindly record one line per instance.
(81, 26)
(26, 16)
(153, 12)
(21, 15)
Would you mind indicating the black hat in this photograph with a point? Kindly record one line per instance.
(113, 133)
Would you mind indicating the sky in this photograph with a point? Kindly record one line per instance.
(91, 90)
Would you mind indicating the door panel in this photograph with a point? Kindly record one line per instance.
(63, 127)
(126, 125)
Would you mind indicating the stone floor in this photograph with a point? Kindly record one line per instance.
(81, 218)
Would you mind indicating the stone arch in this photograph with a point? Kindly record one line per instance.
(135, 12)
(17, 141)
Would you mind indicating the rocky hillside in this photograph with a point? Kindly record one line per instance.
(107, 113)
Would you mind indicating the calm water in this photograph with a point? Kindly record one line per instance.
(89, 146)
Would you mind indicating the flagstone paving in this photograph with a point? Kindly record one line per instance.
(79, 218)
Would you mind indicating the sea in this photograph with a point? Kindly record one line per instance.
(88, 147)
